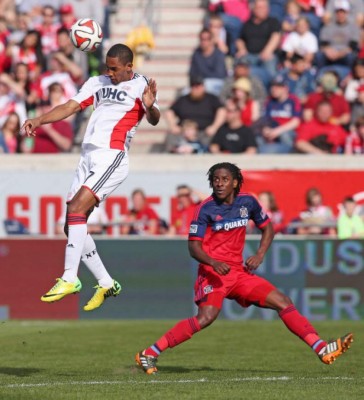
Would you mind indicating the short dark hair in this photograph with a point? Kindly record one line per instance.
(359, 122)
(232, 168)
(296, 57)
(64, 30)
(349, 199)
(122, 52)
(183, 186)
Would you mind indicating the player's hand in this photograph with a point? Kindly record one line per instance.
(29, 126)
(150, 93)
(253, 262)
(221, 268)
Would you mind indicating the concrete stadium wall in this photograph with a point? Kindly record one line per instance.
(188, 163)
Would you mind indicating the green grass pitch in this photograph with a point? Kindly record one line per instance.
(229, 360)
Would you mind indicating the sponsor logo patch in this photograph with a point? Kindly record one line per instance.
(208, 289)
(244, 212)
(193, 228)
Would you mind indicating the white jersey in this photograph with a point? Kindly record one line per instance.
(118, 110)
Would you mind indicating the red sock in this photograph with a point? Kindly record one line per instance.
(181, 332)
(301, 327)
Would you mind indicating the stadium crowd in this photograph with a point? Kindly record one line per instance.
(292, 69)
(316, 218)
(40, 68)
(282, 76)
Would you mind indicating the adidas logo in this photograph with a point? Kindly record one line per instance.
(70, 245)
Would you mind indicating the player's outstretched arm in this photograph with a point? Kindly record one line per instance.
(149, 98)
(56, 114)
(254, 261)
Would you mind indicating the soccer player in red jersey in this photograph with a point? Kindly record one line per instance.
(216, 241)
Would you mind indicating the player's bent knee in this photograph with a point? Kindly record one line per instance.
(205, 321)
(278, 300)
(207, 317)
(286, 301)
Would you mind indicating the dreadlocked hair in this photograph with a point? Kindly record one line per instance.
(232, 168)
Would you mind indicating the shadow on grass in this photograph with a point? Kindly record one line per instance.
(19, 371)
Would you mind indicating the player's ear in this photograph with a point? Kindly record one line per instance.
(235, 183)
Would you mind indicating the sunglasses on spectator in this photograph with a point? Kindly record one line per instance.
(186, 194)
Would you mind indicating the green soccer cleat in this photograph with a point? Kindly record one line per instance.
(147, 363)
(101, 294)
(61, 289)
(335, 348)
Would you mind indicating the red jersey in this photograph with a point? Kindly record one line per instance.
(183, 219)
(247, 112)
(222, 227)
(48, 37)
(335, 134)
(143, 217)
(44, 144)
(354, 144)
(339, 105)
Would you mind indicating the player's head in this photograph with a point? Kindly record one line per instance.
(122, 52)
(232, 169)
(119, 63)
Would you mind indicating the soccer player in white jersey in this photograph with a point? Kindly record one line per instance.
(120, 99)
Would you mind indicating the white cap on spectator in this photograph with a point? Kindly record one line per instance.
(342, 5)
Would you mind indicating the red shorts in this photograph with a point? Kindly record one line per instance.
(239, 284)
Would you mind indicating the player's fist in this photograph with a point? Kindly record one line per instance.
(30, 126)
(221, 268)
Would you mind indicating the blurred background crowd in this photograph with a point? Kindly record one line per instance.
(317, 218)
(266, 77)
(282, 76)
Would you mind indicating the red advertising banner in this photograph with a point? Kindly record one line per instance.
(290, 187)
(38, 209)
(28, 268)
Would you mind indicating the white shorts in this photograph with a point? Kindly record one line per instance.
(101, 171)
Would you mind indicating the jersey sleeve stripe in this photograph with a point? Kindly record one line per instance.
(195, 238)
(262, 225)
(87, 102)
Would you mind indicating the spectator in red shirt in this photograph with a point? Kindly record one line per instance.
(29, 52)
(22, 86)
(269, 204)
(52, 138)
(141, 219)
(328, 90)
(4, 57)
(320, 136)
(56, 137)
(185, 209)
(249, 107)
(67, 16)
(48, 29)
(355, 140)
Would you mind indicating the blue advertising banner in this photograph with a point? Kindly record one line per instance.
(324, 278)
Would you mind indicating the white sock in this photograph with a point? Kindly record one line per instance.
(93, 262)
(77, 232)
